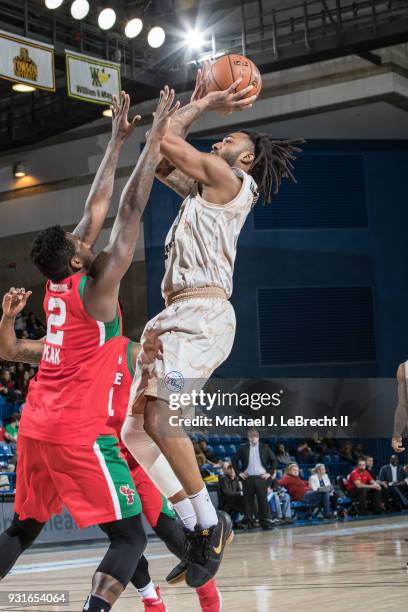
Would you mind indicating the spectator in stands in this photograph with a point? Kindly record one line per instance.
(254, 462)
(282, 455)
(12, 428)
(2, 434)
(300, 491)
(231, 496)
(370, 467)
(210, 457)
(305, 454)
(34, 327)
(279, 501)
(20, 324)
(392, 477)
(361, 488)
(22, 385)
(7, 387)
(319, 481)
(346, 452)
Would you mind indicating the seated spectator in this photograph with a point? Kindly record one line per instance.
(253, 462)
(2, 434)
(12, 428)
(279, 501)
(231, 496)
(392, 477)
(319, 481)
(23, 384)
(361, 488)
(34, 327)
(300, 491)
(7, 386)
(346, 452)
(370, 467)
(305, 454)
(282, 455)
(210, 457)
(20, 324)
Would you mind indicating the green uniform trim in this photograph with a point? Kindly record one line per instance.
(124, 495)
(112, 329)
(167, 509)
(129, 358)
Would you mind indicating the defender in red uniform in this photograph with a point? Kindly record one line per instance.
(62, 458)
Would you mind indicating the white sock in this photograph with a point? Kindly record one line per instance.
(186, 513)
(204, 509)
(148, 592)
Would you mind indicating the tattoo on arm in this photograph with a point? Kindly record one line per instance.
(27, 355)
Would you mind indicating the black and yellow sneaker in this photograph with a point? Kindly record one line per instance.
(206, 547)
(178, 573)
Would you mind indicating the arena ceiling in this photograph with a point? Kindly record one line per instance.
(276, 34)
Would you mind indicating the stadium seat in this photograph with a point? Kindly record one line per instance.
(213, 439)
(219, 450)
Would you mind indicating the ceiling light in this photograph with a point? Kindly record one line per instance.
(133, 27)
(194, 39)
(22, 88)
(80, 9)
(156, 37)
(19, 170)
(106, 19)
(53, 4)
(107, 112)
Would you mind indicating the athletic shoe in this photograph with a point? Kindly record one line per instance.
(155, 605)
(178, 573)
(206, 550)
(210, 597)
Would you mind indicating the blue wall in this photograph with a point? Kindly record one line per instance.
(373, 253)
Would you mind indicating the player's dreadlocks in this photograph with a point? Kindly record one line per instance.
(273, 161)
(51, 253)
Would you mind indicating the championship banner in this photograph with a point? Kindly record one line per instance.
(23, 60)
(91, 79)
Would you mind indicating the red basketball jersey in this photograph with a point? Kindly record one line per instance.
(119, 396)
(67, 399)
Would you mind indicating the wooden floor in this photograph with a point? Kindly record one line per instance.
(358, 566)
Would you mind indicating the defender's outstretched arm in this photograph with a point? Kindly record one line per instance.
(99, 198)
(102, 289)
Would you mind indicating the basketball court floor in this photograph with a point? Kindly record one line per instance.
(357, 565)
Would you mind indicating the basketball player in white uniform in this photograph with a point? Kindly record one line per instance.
(401, 412)
(194, 334)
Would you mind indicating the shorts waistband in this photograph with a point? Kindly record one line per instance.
(195, 292)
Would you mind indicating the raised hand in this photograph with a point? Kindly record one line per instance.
(14, 301)
(229, 100)
(396, 444)
(122, 128)
(163, 114)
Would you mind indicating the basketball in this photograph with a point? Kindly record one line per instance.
(226, 70)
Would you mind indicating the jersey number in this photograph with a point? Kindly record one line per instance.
(56, 336)
(111, 410)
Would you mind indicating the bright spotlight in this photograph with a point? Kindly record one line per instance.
(156, 37)
(133, 27)
(53, 4)
(80, 9)
(194, 39)
(106, 19)
(107, 112)
(22, 88)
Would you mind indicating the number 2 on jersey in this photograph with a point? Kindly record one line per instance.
(55, 320)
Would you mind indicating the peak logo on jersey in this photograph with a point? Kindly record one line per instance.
(51, 354)
(128, 493)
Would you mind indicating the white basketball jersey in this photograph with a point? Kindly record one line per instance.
(406, 375)
(200, 247)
